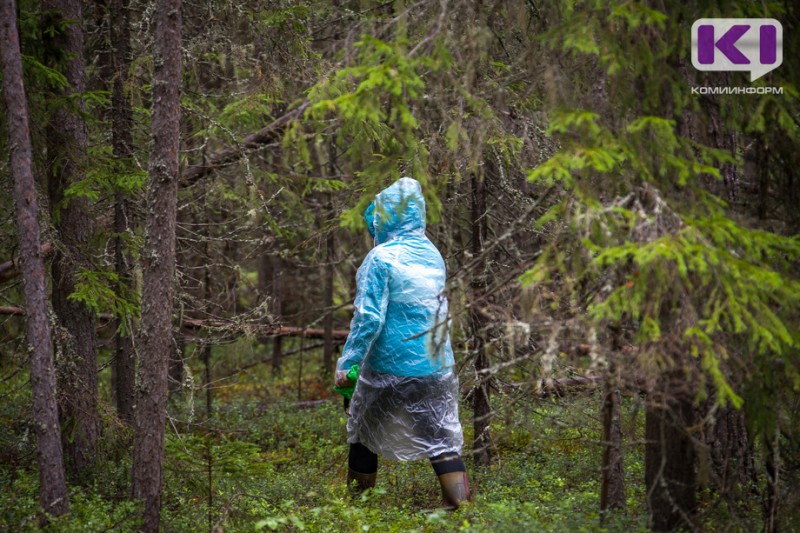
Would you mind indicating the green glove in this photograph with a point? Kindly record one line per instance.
(352, 375)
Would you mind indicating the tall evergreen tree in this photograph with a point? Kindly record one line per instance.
(67, 139)
(123, 363)
(53, 496)
(158, 259)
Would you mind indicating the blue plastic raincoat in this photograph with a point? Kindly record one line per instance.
(405, 405)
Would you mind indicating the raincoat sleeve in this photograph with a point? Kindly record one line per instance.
(372, 299)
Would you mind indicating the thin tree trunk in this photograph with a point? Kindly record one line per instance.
(330, 255)
(123, 366)
(264, 288)
(158, 262)
(669, 462)
(277, 306)
(327, 325)
(612, 484)
(207, 346)
(53, 496)
(175, 371)
(480, 399)
(67, 141)
(772, 492)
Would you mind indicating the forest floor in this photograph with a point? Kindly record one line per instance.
(271, 459)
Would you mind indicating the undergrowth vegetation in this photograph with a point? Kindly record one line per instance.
(273, 458)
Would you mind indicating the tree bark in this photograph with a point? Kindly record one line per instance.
(158, 264)
(67, 141)
(772, 493)
(207, 346)
(327, 325)
(175, 371)
(53, 496)
(123, 366)
(669, 462)
(277, 306)
(481, 410)
(612, 484)
(730, 450)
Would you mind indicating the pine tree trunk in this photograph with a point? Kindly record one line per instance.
(123, 366)
(327, 349)
(731, 452)
(669, 462)
(175, 371)
(481, 410)
(67, 141)
(772, 493)
(53, 496)
(158, 262)
(277, 306)
(330, 259)
(612, 485)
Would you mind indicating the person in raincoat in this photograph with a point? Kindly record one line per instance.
(405, 404)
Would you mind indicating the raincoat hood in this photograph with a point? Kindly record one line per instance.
(399, 209)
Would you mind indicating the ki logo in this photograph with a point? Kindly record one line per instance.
(753, 45)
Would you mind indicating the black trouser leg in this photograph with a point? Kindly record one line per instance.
(452, 473)
(362, 467)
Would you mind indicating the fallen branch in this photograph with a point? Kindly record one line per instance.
(269, 133)
(559, 386)
(262, 331)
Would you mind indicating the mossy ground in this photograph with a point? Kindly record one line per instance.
(264, 462)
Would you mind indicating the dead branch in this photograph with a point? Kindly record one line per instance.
(263, 331)
(269, 133)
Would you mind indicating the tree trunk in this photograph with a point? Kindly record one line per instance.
(330, 259)
(175, 371)
(327, 325)
(481, 410)
(67, 141)
(207, 346)
(277, 306)
(123, 366)
(53, 496)
(669, 463)
(158, 265)
(773, 469)
(731, 453)
(612, 484)
(265, 287)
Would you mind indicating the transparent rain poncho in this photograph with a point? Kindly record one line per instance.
(405, 404)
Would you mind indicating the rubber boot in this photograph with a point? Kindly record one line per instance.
(455, 489)
(362, 481)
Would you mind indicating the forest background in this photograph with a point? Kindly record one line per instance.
(623, 260)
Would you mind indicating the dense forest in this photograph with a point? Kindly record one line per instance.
(184, 186)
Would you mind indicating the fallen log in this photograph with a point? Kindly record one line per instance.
(559, 386)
